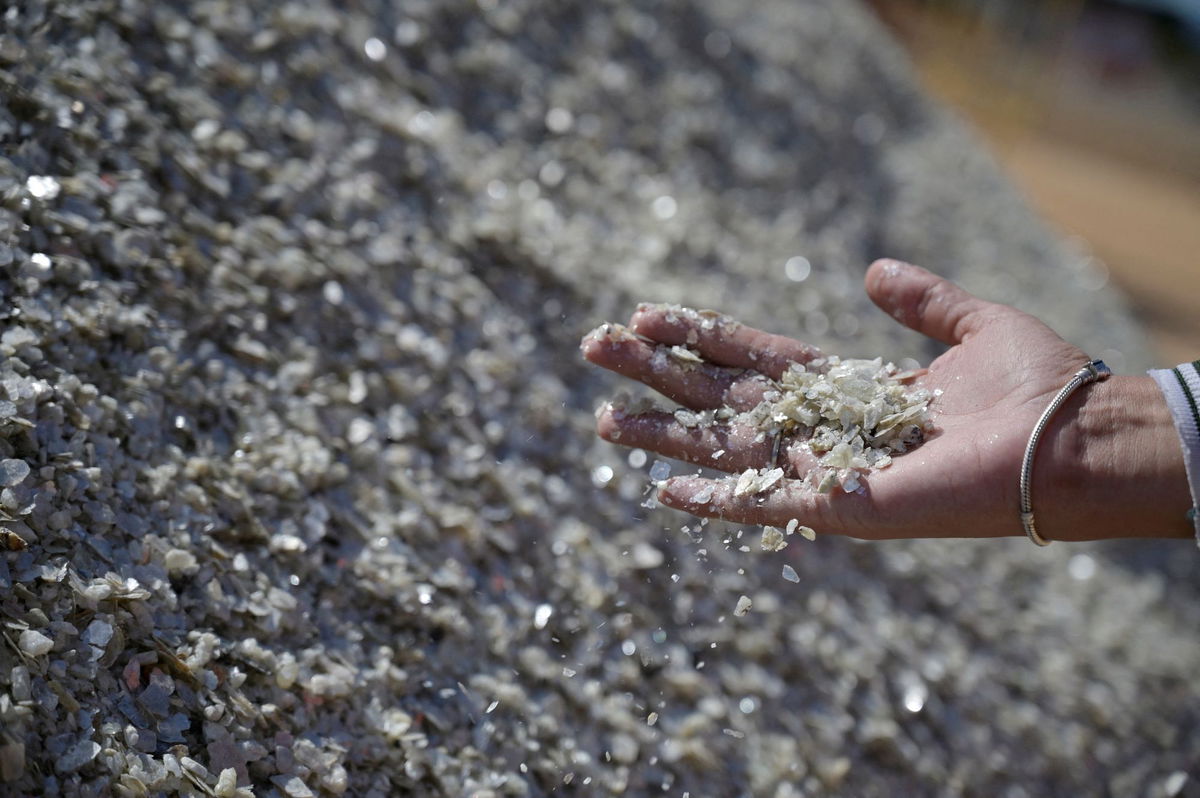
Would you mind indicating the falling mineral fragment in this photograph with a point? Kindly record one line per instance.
(807, 532)
(743, 606)
(789, 573)
(773, 539)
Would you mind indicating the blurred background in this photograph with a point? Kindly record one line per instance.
(1093, 108)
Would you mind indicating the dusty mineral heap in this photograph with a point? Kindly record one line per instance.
(295, 445)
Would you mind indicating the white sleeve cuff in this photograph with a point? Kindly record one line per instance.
(1181, 387)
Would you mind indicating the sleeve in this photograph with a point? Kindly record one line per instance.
(1181, 387)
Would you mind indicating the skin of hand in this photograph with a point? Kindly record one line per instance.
(1108, 465)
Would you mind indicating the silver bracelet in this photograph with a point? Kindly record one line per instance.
(1093, 371)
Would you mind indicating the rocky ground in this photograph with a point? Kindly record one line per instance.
(295, 445)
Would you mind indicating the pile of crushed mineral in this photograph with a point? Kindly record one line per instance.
(853, 415)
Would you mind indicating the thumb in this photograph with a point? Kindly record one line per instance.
(927, 303)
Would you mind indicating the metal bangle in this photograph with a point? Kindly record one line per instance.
(1093, 371)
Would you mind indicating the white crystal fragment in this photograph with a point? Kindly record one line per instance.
(773, 539)
(769, 478)
(685, 355)
(743, 606)
(179, 561)
(752, 481)
(226, 786)
(789, 573)
(43, 186)
(34, 643)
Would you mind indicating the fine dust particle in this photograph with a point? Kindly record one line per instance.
(789, 573)
(743, 606)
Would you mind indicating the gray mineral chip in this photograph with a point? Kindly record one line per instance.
(12, 471)
(12, 761)
(77, 756)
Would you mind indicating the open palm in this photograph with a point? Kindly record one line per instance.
(1002, 369)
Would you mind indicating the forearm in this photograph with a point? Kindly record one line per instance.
(1114, 466)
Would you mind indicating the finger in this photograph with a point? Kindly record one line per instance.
(699, 386)
(721, 339)
(727, 447)
(927, 303)
(837, 512)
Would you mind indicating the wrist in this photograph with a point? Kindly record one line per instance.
(1114, 467)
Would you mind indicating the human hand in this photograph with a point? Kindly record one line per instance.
(1103, 449)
